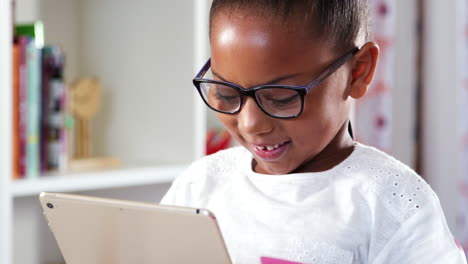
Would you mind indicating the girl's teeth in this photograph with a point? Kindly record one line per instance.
(269, 148)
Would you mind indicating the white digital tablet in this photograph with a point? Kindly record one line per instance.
(95, 230)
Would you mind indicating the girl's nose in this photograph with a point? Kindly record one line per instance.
(252, 120)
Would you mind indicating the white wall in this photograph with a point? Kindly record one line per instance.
(143, 52)
(63, 27)
(27, 10)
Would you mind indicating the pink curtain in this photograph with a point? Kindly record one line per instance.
(373, 112)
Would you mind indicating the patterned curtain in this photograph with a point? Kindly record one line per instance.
(373, 112)
(462, 216)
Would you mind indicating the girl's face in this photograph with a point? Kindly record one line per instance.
(252, 51)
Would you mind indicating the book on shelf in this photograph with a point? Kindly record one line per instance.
(33, 69)
(53, 132)
(34, 30)
(15, 117)
(21, 163)
(39, 104)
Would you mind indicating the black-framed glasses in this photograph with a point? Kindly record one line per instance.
(279, 101)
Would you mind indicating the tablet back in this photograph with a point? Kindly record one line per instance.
(96, 230)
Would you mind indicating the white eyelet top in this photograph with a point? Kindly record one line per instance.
(370, 208)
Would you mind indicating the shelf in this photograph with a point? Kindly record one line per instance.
(86, 181)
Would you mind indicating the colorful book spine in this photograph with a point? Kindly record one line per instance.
(40, 105)
(45, 105)
(15, 125)
(53, 139)
(30, 83)
(33, 66)
(23, 42)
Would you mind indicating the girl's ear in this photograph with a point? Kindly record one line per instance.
(365, 62)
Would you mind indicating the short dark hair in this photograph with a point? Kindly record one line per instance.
(339, 21)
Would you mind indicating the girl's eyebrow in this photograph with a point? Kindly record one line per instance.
(276, 80)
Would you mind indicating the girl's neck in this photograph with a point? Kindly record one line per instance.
(333, 154)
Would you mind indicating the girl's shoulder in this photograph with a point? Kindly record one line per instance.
(379, 163)
(395, 185)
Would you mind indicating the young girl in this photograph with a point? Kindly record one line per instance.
(282, 76)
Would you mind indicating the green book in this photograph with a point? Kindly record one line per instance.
(34, 30)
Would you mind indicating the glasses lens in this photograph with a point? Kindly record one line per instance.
(280, 102)
(220, 97)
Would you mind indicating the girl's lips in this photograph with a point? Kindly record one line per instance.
(270, 152)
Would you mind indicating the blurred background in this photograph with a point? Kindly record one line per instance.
(96, 98)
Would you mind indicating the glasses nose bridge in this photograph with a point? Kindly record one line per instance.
(249, 93)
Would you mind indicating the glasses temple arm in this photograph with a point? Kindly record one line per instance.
(332, 68)
(204, 69)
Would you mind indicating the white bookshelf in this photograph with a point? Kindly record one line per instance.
(145, 53)
(78, 182)
(6, 200)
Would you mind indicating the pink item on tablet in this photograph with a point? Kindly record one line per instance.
(267, 260)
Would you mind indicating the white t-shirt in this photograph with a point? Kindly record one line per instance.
(370, 208)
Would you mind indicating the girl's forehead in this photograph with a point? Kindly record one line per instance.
(253, 50)
(263, 36)
(248, 22)
(258, 32)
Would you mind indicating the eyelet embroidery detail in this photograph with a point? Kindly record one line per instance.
(305, 250)
(402, 191)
